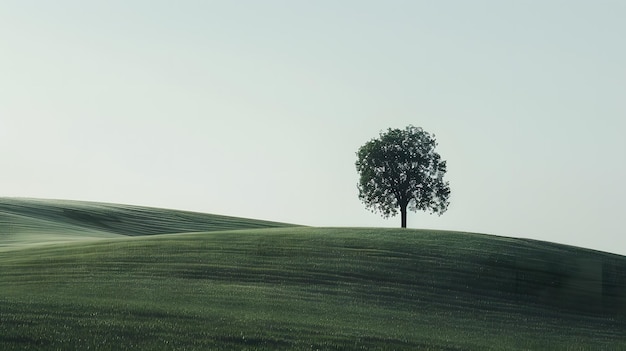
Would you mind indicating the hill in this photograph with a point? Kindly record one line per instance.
(36, 221)
(311, 288)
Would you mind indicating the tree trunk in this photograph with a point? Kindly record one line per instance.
(403, 214)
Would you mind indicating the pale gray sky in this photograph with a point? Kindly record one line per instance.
(256, 108)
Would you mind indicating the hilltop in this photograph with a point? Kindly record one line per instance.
(277, 286)
(37, 221)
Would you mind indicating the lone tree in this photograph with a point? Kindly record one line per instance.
(401, 169)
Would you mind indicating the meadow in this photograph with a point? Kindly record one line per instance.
(86, 276)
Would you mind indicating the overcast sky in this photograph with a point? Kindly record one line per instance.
(256, 108)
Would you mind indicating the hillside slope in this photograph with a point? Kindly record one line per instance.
(36, 221)
(313, 288)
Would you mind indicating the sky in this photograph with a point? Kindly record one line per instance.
(257, 108)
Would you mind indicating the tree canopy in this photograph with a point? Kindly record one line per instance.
(401, 170)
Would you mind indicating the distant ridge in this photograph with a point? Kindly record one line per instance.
(41, 220)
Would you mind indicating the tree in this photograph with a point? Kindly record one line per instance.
(401, 170)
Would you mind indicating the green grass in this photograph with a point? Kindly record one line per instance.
(27, 222)
(306, 289)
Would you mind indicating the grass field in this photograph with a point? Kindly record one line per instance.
(115, 277)
(26, 222)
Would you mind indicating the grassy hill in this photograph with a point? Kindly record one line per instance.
(35, 221)
(272, 286)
